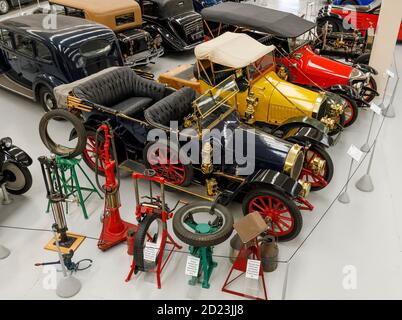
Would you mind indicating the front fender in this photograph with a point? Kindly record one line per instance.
(274, 179)
(366, 69)
(45, 80)
(302, 121)
(304, 136)
(16, 154)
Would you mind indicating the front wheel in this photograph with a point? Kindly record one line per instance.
(4, 6)
(19, 178)
(285, 218)
(47, 99)
(351, 111)
(368, 95)
(318, 177)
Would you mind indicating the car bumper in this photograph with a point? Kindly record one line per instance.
(144, 57)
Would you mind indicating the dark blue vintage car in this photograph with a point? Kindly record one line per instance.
(137, 108)
(35, 59)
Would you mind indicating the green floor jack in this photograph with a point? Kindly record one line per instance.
(71, 185)
(207, 264)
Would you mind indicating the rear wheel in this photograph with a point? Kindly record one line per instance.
(368, 96)
(4, 6)
(319, 180)
(165, 161)
(363, 59)
(286, 220)
(47, 99)
(19, 178)
(89, 154)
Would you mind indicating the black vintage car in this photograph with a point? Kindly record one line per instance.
(6, 5)
(136, 108)
(35, 59)
(180, 27)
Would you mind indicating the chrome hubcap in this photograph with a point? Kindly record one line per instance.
(49, 101)
(3, 6)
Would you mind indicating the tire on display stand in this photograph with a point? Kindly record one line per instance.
(285, 216)
(189, 234)
(58, 149)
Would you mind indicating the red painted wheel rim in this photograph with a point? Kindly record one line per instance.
(89, 153)
(368, 97)
(349, 113)
(272, 207)
(169, 166)
(307, 175)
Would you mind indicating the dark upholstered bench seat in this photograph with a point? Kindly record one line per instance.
(121, 89)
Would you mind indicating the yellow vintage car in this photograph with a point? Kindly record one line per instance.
(264, 96)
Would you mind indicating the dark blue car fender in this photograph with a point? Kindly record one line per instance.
(303, 121)
(46, 80)
(305, 136)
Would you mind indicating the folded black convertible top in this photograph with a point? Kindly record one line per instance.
(277, 23)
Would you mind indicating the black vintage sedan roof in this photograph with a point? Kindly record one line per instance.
(65, 31)
(277, 23)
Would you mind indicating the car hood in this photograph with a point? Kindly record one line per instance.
(326, 70)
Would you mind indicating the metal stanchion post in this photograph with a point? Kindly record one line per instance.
(366, 147)
(365, 183)
(4, 252)
(69, 286)
(6, 197)
(389, 112)
(344, 197)
(285, 282)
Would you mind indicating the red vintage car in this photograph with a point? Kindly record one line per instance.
(349, 18)
(297, 61)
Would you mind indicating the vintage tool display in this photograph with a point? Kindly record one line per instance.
(54, 190)
(249, 228)
(71, 184)
(203, 225)
(154, 209)
(114, 229)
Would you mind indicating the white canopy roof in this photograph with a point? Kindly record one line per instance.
(234, 50)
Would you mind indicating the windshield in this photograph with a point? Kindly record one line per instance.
(300, 41)
(261, 66)
(216, 103)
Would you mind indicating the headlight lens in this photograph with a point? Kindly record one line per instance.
(7, 142)
(294, 162)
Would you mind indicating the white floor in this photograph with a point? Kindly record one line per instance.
(363, 237)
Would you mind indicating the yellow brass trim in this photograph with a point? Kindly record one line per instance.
(291, 159)
(212, 187)
(317, 165)
(306, 188)
(318, 103)
(236, 178)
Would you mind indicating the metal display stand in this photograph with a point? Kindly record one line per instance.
(4, 252)
(6, 197)
(390, 112)
(365, 183)
(344, 197)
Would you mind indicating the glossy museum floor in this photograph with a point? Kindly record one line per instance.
(362, 239)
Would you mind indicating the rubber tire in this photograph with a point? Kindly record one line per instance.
(363, 59)
(202, 240)
(28, 180)
(294, 210)
(45, 90)
(139, 240)
(355, 108)
(330, 165)
(78, 126)
(7, 7)
(187, 168)
(374, 87)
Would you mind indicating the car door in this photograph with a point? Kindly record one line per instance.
(24, 47)
(9, 57)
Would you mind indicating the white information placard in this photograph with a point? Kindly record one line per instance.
(391, 74)
(375, 108)
(151, 251)
(253, 269)
(355, 153)
(192, 266)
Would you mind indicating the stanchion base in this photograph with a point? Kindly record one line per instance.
(68, 287)
(365, 148)
(365, 184)
(6, 201)
(389, 112)
(344, 198)
(4, 252)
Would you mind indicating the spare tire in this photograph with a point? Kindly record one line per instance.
(51, 145)
(191, 235)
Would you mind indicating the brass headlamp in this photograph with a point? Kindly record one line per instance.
(206, 155)
(252, 103)
(329, 122)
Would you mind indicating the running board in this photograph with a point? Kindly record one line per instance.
(11, 85)
(195, 190)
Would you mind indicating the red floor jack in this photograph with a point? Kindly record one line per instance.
(147, 212)
(114, 229)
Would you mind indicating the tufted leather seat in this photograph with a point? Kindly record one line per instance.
(121, 89)
(174, 107)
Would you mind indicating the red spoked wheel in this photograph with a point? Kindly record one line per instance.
(368, 96)
(165, 161)
(351, 112)
(319, 180)
(89, 154)
(281, 213)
